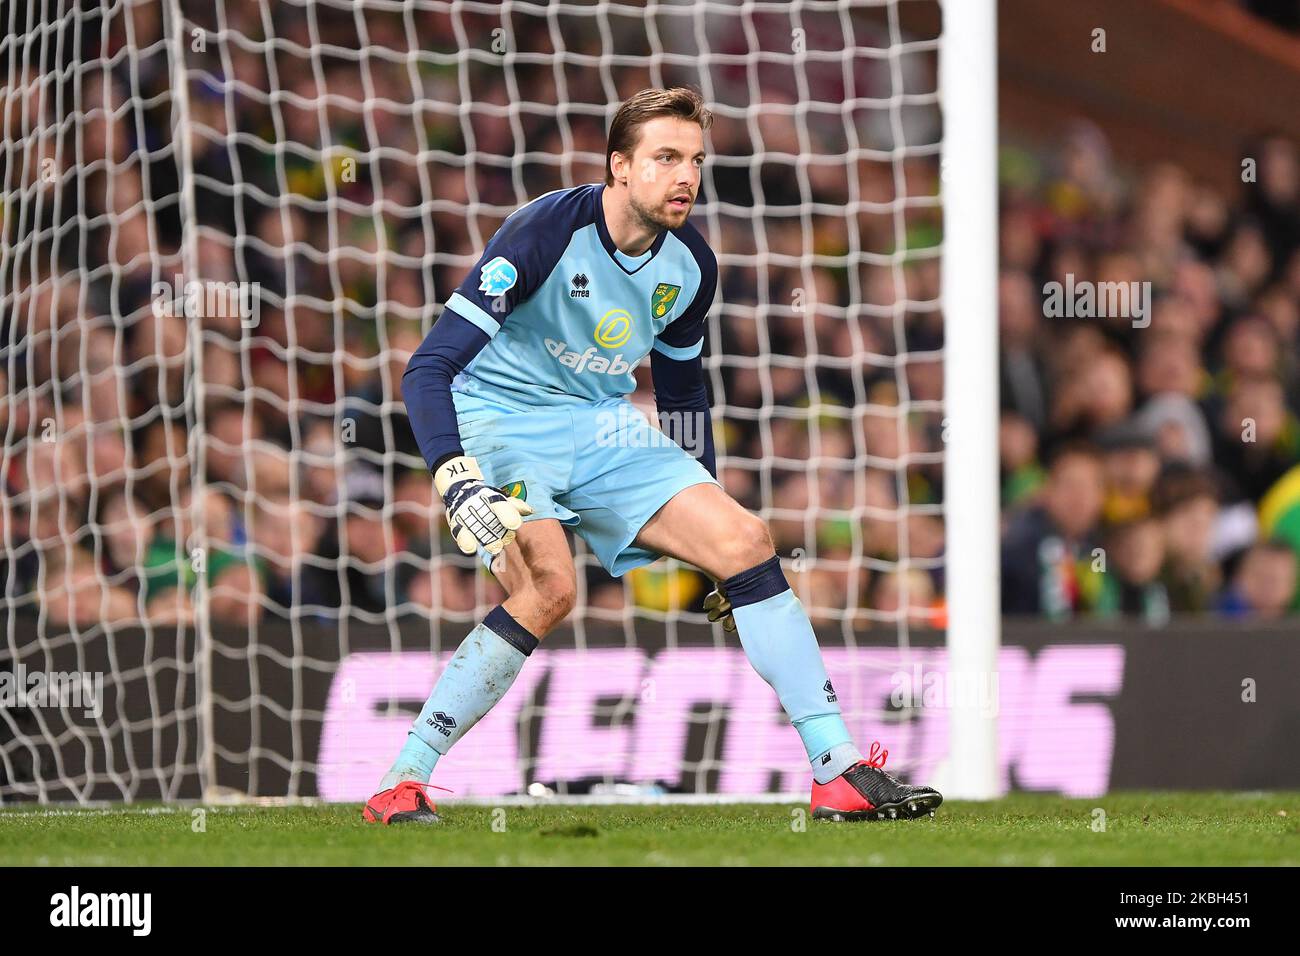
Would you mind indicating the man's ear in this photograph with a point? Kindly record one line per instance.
(617, 164)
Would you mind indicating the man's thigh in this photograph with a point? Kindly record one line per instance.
(528, 455)
(623, 474)
(704, 526)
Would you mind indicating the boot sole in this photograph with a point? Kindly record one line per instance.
(415, 816)
(911, 809)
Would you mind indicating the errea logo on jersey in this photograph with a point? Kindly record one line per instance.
(588, 361)
(497, 276)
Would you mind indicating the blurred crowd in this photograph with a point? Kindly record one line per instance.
(148, 448)
(1150, 462)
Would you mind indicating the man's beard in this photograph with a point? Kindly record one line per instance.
(649, 217)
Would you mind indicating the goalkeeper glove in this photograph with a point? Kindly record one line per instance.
(718, 607)
(478, 514)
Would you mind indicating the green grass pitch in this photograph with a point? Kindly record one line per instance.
(1022, 830)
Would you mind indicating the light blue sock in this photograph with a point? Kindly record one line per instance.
(779, 641)
(477, 676)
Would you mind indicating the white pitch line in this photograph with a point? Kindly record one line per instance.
(590, 800)
(512, 800)
(91, 812)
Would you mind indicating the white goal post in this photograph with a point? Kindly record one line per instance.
(968, 92)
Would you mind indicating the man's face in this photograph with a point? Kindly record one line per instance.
(1189, 529)
(1073, 495)
(1267, 579)
(663, 172)
(1140, 551)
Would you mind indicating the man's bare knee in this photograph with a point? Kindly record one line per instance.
(557, 592)
(543, 599)
(749, 544)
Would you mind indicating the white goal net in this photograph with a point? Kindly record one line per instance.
(227, 224)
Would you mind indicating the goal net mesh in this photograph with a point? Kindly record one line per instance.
(226, 226)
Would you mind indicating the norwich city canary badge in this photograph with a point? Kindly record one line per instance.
(516, 489)
(662, 299)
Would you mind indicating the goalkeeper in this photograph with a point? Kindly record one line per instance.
(518, 400)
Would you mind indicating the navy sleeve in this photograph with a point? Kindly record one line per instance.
(683, 403)
(518, 259)
(683, 337)
(450, 345)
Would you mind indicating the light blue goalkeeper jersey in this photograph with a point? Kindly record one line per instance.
(568, 315)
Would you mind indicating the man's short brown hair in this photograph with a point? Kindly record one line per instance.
(680, 101)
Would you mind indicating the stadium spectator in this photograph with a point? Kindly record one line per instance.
(1022, 475)
(1131, 585)
(1186, 502)
(1048, 547)
(1258, 437)
(1131, 463)
(1265, 583)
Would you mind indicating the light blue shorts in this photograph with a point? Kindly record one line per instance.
(601, 469)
